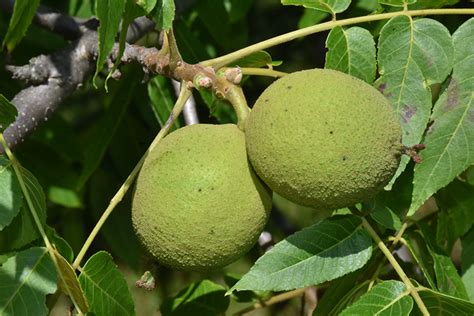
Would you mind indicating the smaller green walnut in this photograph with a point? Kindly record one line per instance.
(198, 204)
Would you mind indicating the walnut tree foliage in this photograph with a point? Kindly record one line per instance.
(408, 251)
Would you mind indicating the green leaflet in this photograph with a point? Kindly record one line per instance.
(26, 279)
(330, 6)
(324, 251)
(23, 12)
(105, 288)
(445, 305)
(10, 191)
(23, 229)
(204, 298)
(162, 99)
(412, 54)
(164, 15)
(450, 139)
(396, 3)
(109, 13)
(8, 113)
(386, 298)
(352, 51)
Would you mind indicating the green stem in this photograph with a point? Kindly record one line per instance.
(262, 72)
(236, 97)
(178, 107)
(51, 250)
(17, 167)
(410, 287)
(229, 58)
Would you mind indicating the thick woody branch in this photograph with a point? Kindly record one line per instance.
(54, 77)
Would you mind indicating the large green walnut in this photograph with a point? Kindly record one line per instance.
(198, 204)
(324, 139)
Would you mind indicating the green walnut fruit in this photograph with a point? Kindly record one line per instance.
(198, 204)
(324, 139)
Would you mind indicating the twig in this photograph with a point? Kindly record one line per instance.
(410, 287)
(229, 58)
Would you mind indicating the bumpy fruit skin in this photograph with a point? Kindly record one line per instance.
(198, 204)
(324, 139)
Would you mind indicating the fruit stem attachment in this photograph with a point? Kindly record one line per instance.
(184, 94)
(236, 97)
(411, 288)
(221, 61)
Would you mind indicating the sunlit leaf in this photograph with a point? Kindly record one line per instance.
(164, 15)
(412, 54)
(324, 251)
(352, 51)
(450, 139)
(69, 284)
(23, 13)
(105, 288)
(204, 298)
(10, 192)
(386, 298)
(26, 279)
(23, 229)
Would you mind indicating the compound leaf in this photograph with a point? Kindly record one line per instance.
(204, 298)
(450, 139)
(104, 287)
(386, 298)
(26, 279)
(352, 51)
(319, 253)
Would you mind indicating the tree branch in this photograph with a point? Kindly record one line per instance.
(54, 77)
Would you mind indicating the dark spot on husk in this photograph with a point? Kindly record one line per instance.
(382, 87)
(331, 132)
(266, 100)
(344, 158)
(289, 87)
(199, 190)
